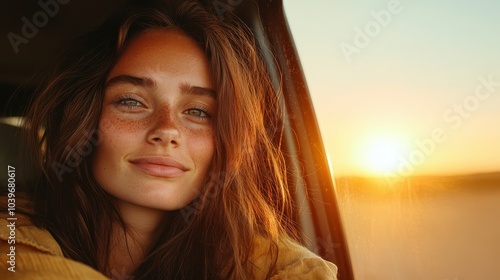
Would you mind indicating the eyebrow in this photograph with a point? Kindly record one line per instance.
(129, 79)
(195, 90)
(149, 83)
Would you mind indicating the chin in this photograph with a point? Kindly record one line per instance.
(166, 201)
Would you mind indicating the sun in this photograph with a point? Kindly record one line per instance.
(382, 155)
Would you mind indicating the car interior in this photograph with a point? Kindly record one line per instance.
(316, 211)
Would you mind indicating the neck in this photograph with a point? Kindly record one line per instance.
(129, 247)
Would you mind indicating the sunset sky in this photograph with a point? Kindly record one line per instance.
(403, 87)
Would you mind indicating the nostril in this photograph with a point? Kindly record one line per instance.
(160, 140)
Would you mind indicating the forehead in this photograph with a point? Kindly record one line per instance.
(161, 45)
(161, 50)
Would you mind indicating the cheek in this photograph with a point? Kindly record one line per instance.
(115, 136)
(113, 127)
(111, 135)
(201, 145)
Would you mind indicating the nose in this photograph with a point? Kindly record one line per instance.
(164, 128)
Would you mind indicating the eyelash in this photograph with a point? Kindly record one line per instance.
(121, 101)
(201, 109)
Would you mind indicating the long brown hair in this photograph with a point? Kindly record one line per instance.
(245, 195)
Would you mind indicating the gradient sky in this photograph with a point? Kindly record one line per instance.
(380, 103)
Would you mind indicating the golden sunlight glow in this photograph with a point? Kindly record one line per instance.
(382, 155)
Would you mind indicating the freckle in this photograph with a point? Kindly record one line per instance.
(122, 124)
(105, 123)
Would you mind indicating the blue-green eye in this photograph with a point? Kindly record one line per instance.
(129, 102)
(196, 113)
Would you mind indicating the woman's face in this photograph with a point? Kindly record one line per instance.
(156, 134)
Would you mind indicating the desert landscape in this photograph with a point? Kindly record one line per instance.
(423, 227)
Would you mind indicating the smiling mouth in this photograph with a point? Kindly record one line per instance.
(159, 166)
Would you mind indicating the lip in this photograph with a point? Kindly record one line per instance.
(159, 166)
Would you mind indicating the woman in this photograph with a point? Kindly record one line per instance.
(157, 157)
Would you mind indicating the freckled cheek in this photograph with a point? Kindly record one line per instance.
(201, 143)
(116, 124)
(118, 131)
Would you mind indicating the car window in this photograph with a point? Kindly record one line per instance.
(407, 96)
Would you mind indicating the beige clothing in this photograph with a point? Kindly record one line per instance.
(294, 262)
(39, 256)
